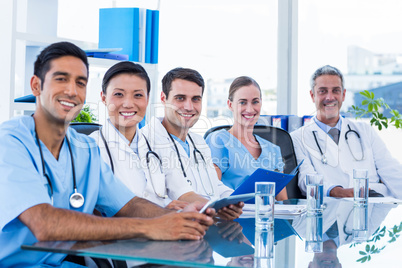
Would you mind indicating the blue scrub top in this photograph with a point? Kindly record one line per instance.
(235, 161)
(22, 185)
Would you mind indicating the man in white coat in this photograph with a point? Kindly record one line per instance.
(181, 150)
(333, 146)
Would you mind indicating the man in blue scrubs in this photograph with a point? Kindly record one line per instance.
(43, 163)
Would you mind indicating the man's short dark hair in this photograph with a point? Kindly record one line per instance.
(181, 73)
(55, 51)
(125, 67)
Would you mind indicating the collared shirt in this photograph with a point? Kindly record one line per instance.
(326, 129)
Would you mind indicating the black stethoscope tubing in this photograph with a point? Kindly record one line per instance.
(195, 151)
(178, 155)
(147, 156)
(324, 159)
(150, 152)
(76, 199)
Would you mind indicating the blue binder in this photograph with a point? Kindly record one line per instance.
(120, 27)
(155, 36)
(148, 36)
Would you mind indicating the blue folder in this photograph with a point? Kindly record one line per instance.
(265, 175)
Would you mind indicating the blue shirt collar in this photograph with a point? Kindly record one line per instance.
(327, 128)
(184, 144)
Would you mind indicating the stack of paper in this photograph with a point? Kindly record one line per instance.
(280, 210)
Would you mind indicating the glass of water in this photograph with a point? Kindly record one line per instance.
(264, 204)
(360, 189)
(315, 193)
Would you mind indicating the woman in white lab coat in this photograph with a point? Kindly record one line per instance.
(125, 92)
(363, 148)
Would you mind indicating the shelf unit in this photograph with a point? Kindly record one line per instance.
(33, 27)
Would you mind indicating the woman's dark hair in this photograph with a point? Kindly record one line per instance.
(125, 67)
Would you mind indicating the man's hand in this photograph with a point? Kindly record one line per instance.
(197, 206)
(231, 212)
(177, 204)
(341, 192)
(174, 226)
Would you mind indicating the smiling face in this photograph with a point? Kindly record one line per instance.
(62, 93)
(126, 100)
(328, 97)
(246, 106)
(182, 107)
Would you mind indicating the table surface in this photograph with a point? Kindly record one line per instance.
(231, 244)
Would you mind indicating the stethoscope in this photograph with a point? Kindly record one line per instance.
(324, 158)
(76, 199)
(148, 157)
(195, 152)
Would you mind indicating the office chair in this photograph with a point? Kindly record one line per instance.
(281, 138)
(85, 128)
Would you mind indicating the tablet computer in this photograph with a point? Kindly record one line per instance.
(226, 201)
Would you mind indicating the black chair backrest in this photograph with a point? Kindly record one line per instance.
(281, 138)
(85, 128)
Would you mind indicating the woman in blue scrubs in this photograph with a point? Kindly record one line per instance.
(237, 152)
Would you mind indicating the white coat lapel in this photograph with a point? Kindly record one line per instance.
(117, 143)
(328, 147)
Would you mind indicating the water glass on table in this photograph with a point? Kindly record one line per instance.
(360, 187)
(315, 193)
(264, 204)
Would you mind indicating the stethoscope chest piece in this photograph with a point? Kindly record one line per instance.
(76, 199)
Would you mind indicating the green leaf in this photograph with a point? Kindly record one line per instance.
(362, 260)
(365, 93)
(365, 102)
(362, 253)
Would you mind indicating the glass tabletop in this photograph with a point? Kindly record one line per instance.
(342, 235)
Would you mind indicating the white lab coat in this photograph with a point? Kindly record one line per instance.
(162, 144)
(339, 169)
(133, 170)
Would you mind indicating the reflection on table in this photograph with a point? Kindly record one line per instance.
(231, 244)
